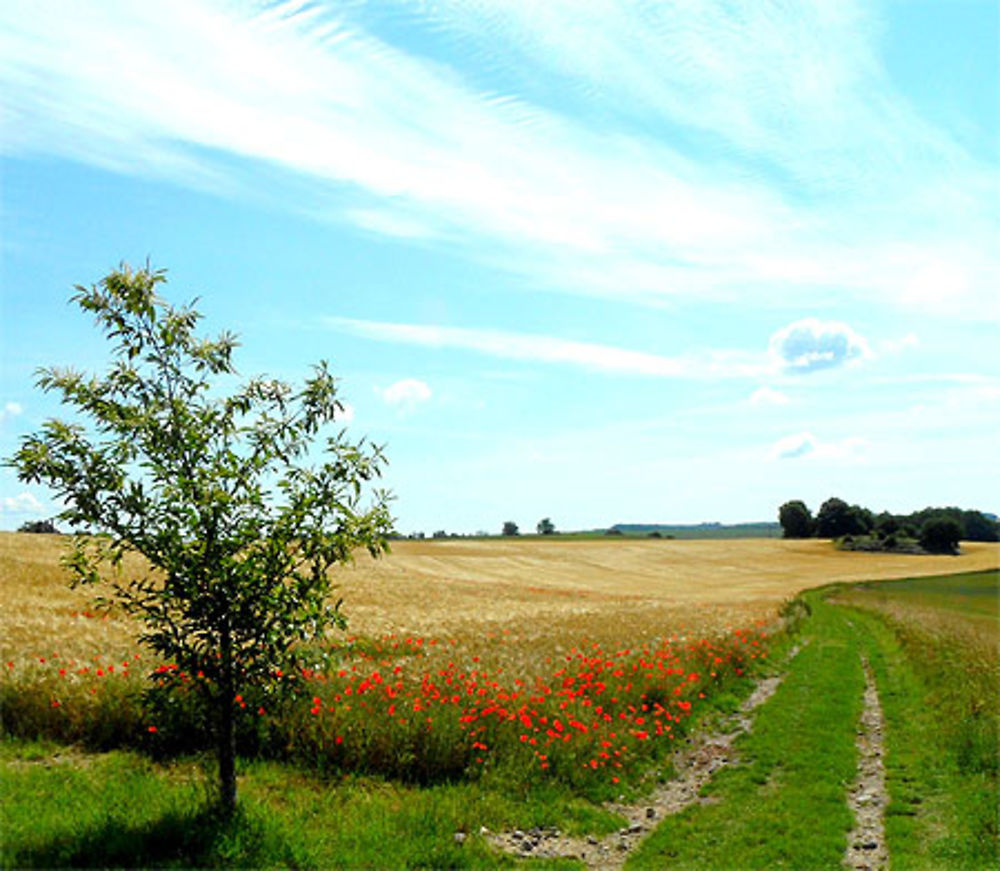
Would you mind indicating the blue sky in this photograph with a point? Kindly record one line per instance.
(599, 261)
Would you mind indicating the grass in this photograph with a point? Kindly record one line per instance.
(120, 810)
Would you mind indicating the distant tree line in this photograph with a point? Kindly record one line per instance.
(937, 529)
(39, 526)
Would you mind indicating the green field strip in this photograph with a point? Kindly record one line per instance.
(784, 805)
(943, 809)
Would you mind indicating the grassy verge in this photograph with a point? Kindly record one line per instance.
(936, 667)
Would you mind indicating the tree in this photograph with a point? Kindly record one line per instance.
(510, 528)
(239, 526)
(978, 527)
(545, 526)
(886, 524)
(796, 520)
(941, 535)
(836, 518)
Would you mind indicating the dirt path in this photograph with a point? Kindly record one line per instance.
(694, 764)
(866, 847)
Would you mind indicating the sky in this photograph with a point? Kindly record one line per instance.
(608, 261)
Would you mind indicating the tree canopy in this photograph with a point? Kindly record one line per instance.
(796, 520)
(239, 523)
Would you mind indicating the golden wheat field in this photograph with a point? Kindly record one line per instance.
(606, 590)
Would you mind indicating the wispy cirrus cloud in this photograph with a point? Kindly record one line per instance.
(649, 151)
(553, 350)
(802, 347)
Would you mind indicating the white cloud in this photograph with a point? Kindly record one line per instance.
(809, 345)
(346, 414)
(10, 409)
(805, 444)
(898, 346)
(768, 396)
(23, 503)
(549, 349)
(407, 393)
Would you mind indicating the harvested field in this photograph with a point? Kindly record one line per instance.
(601, 589)
(448, 585)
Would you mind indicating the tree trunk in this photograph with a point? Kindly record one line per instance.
(227, 729)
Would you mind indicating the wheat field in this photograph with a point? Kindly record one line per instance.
(536, 588)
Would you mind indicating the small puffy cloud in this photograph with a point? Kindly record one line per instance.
(406, 393)
(805, 444)
(792, 446)
(11, 409)
(768, 396)
(23, 503)
(810, 345)
(346, 414)
(898, 346)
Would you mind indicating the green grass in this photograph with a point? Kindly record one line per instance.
(118, 809)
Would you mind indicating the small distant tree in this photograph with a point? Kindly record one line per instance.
(510, 528)
(440, 533)
(239, 527)
(941, 535)
(545, 526)
(796, 520)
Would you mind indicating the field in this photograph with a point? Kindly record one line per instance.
(508, 684)
(533, 588)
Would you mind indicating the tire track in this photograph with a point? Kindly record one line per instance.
(866, 847)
